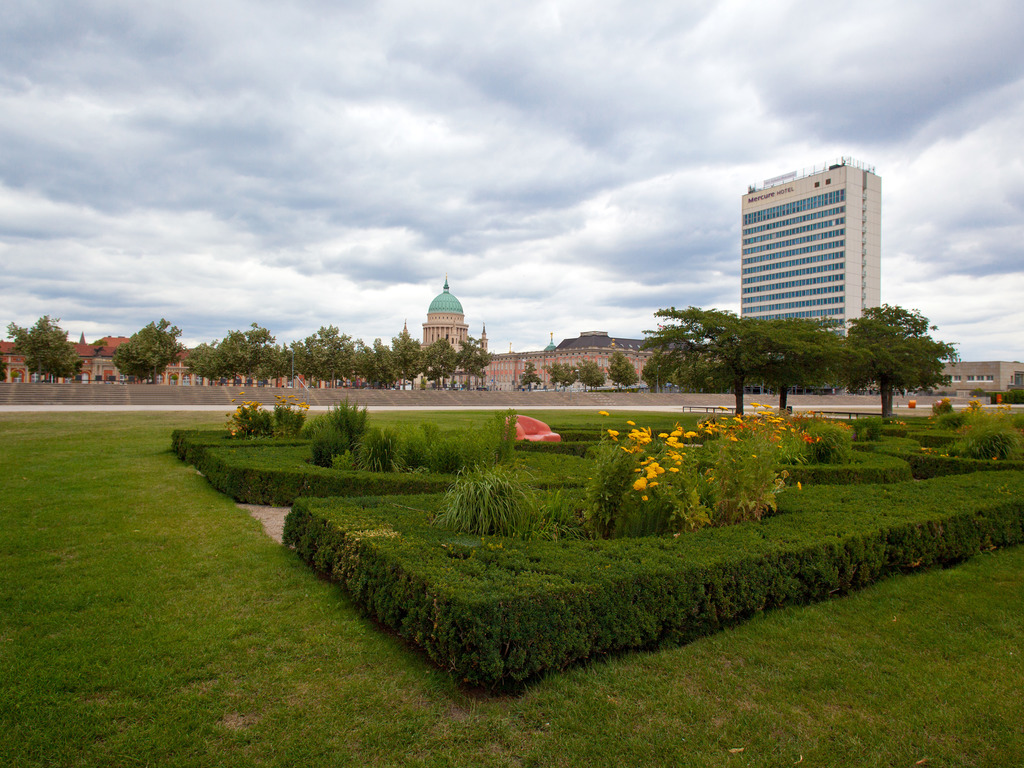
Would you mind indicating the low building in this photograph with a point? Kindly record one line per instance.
(991, 376)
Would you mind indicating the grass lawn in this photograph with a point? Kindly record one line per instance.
(145, 620)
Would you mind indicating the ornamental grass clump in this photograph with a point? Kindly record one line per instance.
(380, 450)
(827, 442)
(488, 502)
(868, 430)
(988, 436)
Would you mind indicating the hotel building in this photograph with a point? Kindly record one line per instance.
(812, 244)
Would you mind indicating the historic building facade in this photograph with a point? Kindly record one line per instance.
(506, 369)
(446, 320)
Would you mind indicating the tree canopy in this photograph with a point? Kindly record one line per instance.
(46, 348)
(561, 374)
(621, 371)
(407, 356)
(439, 361)
(890, 348)
(710, 348)
(799, 353)
(149, 351)
(590, 374)
(472, 358)
(528, 378)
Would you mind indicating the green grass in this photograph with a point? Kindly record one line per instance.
(144, 619)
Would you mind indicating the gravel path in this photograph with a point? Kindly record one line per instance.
(271, 517)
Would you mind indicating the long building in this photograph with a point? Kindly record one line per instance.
(812, 244)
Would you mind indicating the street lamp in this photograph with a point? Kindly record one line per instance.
(293, 369)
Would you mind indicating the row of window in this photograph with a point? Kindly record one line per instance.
(826, 224)
(796, 262)
(972, 377)
(791, 222)
(830, 267)
(813, 313)
(795, 294)
(796, 283)
(786, 243)
(788, 209)
(797, 304)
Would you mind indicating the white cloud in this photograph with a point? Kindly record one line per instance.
(572, 166)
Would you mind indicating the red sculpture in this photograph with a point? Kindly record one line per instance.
(535, 431)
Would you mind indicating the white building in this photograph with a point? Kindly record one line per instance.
(812, 244)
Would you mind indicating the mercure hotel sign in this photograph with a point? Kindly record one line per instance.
(769, 195)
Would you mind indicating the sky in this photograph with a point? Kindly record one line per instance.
(569, 166)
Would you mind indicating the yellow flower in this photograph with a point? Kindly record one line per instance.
(799, 485)
(644, 498)
(612, 433)
(602, 413)
(631, 423)
(640, 484)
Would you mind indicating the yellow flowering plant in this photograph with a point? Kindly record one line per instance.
(723, 472)
(249, 420)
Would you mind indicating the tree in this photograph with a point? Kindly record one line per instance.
(244, 353)
(204, 361)
(710, 348)
(529, 377)
(383, 363)
(472, 359)
(439, 361)
(621, 371)
(889, 347)
(799, 353)
(46, 348)
(3, 370)
(275, 363)
(561, 374)
(407, 356)
(591, 374)
(149, 351)
(657, 372)
(327, 355)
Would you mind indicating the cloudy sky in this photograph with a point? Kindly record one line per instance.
(569, 165)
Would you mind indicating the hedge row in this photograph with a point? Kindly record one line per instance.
(277, 472)
(575, 448)
(864, 467)
(498, 612)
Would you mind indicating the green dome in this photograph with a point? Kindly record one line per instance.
(445, 302)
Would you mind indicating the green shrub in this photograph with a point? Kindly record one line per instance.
(939, 407)
(868, 429)
(289, 415)
(415, 448)
(336, 432)
(828, 442)
(249, 420)
(328, 443)
(488, 502)
(951, 419)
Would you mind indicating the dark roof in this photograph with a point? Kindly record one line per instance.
(601, 340)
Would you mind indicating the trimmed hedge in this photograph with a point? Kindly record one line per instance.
(278, 472)
(498, 612)
(577, 448)
(863, 467)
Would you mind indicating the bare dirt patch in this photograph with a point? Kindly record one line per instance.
(271, 517)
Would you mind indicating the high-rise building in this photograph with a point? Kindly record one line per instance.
(812, 244)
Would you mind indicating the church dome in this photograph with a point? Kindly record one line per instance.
(445, 302)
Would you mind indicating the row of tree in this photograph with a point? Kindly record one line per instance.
(331, 357)
(588, 373)
(325, 356)
(888, 348)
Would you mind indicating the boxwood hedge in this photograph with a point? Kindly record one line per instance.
(498, 612)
